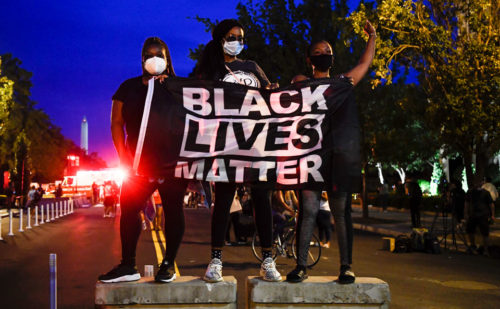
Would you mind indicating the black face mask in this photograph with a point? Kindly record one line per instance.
(322, 62)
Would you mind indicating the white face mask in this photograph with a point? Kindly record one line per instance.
(233, 48)
(155, 65)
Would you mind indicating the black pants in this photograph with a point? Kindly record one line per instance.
(224, 195)
(235, 222)
(415, 211)
(340, 206)
(135, 191)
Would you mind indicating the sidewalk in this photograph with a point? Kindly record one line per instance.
(398, 221)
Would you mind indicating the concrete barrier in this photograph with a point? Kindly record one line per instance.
(318, 292)
(184, 292)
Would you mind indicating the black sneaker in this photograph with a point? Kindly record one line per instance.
(121, 273)
(346, 275)
(299, 274)
(166, 273)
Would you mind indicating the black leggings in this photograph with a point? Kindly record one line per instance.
(340, 206)
(135, 192)
(224, 195)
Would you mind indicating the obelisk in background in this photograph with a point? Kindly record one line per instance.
(84, 138)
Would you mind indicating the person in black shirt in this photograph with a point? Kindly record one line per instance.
(415, 195)
(479, 210)
(127, 110)
(320, 57)
(219, 62)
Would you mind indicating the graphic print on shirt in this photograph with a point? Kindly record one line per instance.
(245, 78)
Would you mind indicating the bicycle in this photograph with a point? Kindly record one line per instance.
(284, 245)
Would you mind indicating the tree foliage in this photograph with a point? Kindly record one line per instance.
(454, 46)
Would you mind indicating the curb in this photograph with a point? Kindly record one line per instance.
(376, 230)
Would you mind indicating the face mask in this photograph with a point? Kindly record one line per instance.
(155, 65)
(233, 48)
(322, 62)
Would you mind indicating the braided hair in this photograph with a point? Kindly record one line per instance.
(157, 41)
(211, 64)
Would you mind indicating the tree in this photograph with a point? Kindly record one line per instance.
(454, 48)
(31, 147)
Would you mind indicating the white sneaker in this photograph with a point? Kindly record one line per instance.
(214, 271)
(268, 270)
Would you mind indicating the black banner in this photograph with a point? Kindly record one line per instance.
(302, 136)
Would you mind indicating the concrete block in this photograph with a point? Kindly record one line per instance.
(184, 292)
(318, 292)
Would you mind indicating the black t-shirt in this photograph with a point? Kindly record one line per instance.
(247, 71)
(132, 93)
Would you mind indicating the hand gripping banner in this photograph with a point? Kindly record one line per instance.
(305, 135)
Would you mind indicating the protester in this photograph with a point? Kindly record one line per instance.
(320, 57)
(219, 62)
(479, 212)
(127, 110)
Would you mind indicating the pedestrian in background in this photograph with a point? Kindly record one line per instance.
(415, 198)
(479, 212)
(488, 186)
(59, 191)
(324, 221)
(383, 196)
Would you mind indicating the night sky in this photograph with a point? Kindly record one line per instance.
(80, 52)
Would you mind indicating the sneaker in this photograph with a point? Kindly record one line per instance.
(120, 273)
(299, 274)
(326, 245)
(166, 273)
(214, 271)
(268, 270)
(346, 275)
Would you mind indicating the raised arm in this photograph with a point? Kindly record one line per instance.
(118, 133)
(366, 59)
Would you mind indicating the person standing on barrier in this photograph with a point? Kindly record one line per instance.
(126, 117)
(320, 57)
(219, 62)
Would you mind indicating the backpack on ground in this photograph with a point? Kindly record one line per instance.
(431, 244)
(402, 244)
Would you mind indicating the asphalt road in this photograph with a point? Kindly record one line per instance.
(87, 244)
